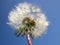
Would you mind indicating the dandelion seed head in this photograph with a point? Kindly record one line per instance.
(23, 10)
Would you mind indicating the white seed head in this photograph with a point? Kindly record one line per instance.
(23, 10)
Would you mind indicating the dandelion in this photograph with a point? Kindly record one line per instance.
(28, 20)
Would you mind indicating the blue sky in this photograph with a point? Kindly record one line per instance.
(51, 8)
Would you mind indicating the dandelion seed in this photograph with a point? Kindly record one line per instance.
(28, 20)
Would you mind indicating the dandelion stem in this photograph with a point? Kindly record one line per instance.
(28, 39)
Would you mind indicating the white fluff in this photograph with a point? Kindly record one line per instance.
(23, 10)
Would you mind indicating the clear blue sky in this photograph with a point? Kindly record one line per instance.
(51, 8)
